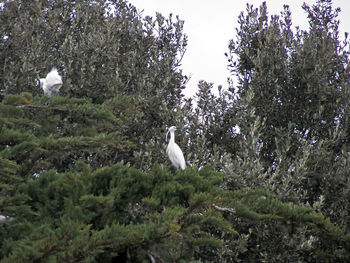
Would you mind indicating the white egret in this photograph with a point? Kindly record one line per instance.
(173, 150)
(52, 83)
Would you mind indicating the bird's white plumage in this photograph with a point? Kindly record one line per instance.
(174, 152)
(52, 83)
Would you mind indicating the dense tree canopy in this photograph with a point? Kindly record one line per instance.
(84, 175)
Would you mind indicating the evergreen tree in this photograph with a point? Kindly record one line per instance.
(292, 109)
(84, 176)
(103, 50)
(298, 79)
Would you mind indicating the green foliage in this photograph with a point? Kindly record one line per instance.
(57, 133)
(211, 132)
(103, 214)
(291, 80)
(84, 176)
(101, 48)
(292, 97)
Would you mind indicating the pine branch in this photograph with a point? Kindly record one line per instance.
(32, 106)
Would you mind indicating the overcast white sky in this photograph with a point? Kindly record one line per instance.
(211, 24)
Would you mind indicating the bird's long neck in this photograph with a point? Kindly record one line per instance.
(172, 137)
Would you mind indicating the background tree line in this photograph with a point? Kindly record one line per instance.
(84, 175)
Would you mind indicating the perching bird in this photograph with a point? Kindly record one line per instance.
(173, 150)
(52, 83)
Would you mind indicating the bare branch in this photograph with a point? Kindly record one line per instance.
(153, 256)
(224, 209)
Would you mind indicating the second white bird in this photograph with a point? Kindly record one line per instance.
(52, 83)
